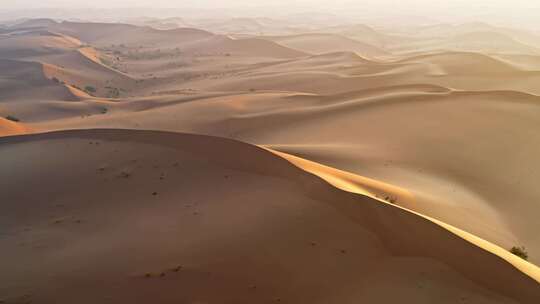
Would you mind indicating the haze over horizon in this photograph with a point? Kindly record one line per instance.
(521, 13)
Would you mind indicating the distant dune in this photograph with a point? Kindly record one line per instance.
(327, 43)
(20, 44)
(25, 81)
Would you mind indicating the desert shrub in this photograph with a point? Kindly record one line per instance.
(12, 118)
(113, 92)
(520, 252)
(55, 80)
(90, 89)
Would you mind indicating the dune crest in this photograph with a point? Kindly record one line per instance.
(386, 193)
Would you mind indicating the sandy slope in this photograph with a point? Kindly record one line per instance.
(327, 43)
(138, 223)
(406, 136)
(8, 127)
(476, 37)
(25, 81)
(26, 43)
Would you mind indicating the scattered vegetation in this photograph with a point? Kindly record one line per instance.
(520, 252)
(113, 92)
(104, 110)
(125, 174)
(12, 118)
(56, 80)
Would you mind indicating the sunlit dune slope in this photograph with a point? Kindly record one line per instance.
(8, 127)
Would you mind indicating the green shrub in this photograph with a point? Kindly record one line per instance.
(12, 118)
(520, 252)
(90, 89)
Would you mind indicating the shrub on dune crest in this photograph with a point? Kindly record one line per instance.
(520, 252)
(12, 118)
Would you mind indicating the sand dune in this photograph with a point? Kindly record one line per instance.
(452, 176)
(20, 44)
(187, 39)
(364, 33)
(65, 60)
(470, 37)
(179, 258)
(26, 81)
(34, 23)
(327, 43)
(438, 147)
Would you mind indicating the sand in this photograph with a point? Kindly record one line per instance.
(338, 171)
(119, 231)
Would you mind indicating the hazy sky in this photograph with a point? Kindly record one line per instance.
(498, 5)
(506, 11)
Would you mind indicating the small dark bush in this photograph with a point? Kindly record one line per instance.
(12, 118)
(90, 89)
(520, 252)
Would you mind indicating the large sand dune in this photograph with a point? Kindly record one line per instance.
(152, 216)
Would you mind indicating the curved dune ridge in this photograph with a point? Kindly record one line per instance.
(166, 217)
(375, 189)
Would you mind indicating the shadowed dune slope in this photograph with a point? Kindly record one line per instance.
(166, 217)
(327, 43)
(24, 81)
